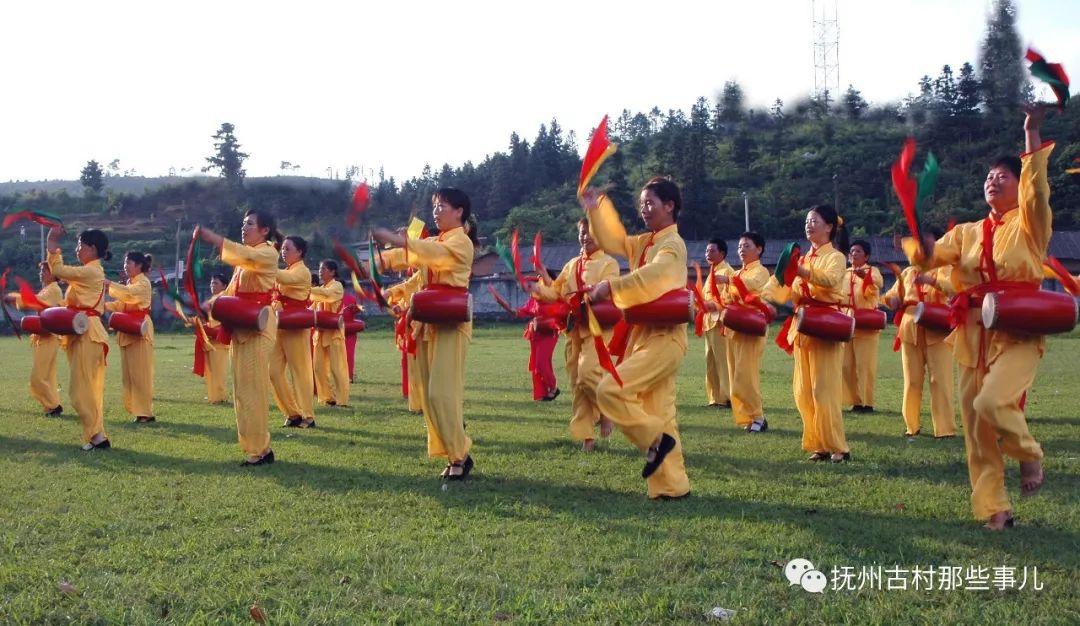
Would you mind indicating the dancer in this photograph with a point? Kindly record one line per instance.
(580, 273)
(255, 260)
(862, 291)
(136, 350)
(643, 407)
(717, 377)
(744, 351)
(86, 353)
(44, 346)
(291, 357)
(331, 366)
(443, 264)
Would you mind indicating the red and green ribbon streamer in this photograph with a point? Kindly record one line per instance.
(1052, 74)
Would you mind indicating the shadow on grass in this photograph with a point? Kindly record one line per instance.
(856, 530)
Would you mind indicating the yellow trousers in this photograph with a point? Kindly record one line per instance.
(918, 360)
(86, 360)
(817, 394)
(216, 373)
(860, 368)
(43, 386)
(644, 407)
(137, 375)
(716, 366)
(292, 352)
(332, 371)
(414, 383)
(994, 424)
(440, 361)
(584, 371)
(744, 353)
(249, 354)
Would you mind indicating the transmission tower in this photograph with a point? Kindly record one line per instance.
(826, 50)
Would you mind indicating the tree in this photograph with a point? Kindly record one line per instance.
(91, 178)
(1002, 77)
(729, 108)
(227, 158)
(853, 103)
(945, 95)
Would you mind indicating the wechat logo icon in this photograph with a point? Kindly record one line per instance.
(801, 572)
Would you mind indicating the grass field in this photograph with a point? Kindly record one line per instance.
(351, 524)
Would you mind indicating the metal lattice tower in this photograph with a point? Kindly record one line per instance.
(826, 50)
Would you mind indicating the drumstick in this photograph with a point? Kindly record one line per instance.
(501, 301)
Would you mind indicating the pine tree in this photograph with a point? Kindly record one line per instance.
(853, 103)
(1002, 77)
(227, 158)
(91, 178)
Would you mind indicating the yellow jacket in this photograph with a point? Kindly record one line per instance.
(598, 267)
(295, 281)
(915, 293)
(86, 290)
(720, 269)
(135, 296)
(327, 298)
(256, 271)
(447, 258)
(865, 298)
(1020, 243)
(657, 265)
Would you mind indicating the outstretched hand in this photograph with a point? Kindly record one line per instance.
(600, 292)
(590, 199)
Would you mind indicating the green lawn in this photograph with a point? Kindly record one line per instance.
(351, 525)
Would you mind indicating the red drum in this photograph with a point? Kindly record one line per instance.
(325, 320)
(129, 323)
(674, 307)
(869, 319)
(744, 319)
(1030, 312)
(354, 326)
(441, 306)
(824, 323)
(295, 319)
(933, 316)
(606, 313)
(240, 313)
(557, 309)
(32, 324)
(64, 321)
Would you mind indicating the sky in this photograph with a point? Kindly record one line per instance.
(398, 84)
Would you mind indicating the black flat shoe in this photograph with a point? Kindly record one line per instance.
(104, 444)
(292, 422)
(306, 424)
(667, 498)
(914, 434)
(144, 419)
(667, 444)
(467, 466)
(448, 476)
(55, 412)
(266, 459)
(758, 426)
(818, 456)
(844, 458)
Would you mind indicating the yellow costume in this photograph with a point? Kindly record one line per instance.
(717, 376)
(582, 364)
(331, 363)
(744, 351)
(136, 353)
(250, 349)
(818, 363)
(44, 347)
(861, 353)
(444, 260)
(644, 407)
(85, 352)
(292, 350)
(997, 368)
(924, 351)
(216, 373)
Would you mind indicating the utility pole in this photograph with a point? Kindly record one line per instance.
(746, 210)
(836, 192)
(177, 249)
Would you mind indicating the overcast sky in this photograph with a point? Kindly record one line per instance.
(402, 83)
